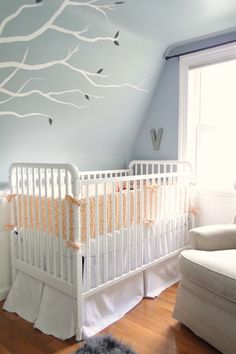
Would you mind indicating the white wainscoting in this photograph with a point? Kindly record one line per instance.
(215, 207)
(5, 278)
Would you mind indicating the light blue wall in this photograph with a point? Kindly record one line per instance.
(111, 131)
(163, 110)
(99, 136)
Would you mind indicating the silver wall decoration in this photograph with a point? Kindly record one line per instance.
(156, 138)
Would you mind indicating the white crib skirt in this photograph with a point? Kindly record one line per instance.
(52, 311)
(161, 276)
(109, 305)
(24, 297)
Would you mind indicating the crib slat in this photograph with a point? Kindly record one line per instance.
(18, 213)
(121, 227)
(148, 225)
(68, 252)
(135, 223)
(105, 232)
(24, 212)
(88, 239)
(153, 218)
(113, 230)
(47, 250)
(186, 210)
(97, 238)
(54, 248)
(180, 213)
(165, 211)
(30, 236)
(173, 211)
(128, 226)
(61, 255)
(177, 213)
(184, 221)
(141, 221)
(168, 219)
(41, 233)
(170, 208)
(35, 233)
(13, 221)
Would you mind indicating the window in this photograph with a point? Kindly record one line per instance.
(207, 131)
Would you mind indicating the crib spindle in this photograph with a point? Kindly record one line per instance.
(141, 221)
(18, 203)
(47, 252)
(136, 242)
(60, 241)
(41, 233)
(29, 242)
(113, 230)
(182, 211)
(24, 212)
(105, 232)
(35, 230)
(97, 236)
(88, 239)
(53, 202)
(68, 252)
(121, 226)
(128, 225)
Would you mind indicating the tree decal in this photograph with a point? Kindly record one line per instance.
(94, 79)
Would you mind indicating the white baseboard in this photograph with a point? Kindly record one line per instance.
(3, 293)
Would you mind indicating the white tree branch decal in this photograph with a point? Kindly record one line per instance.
(94, 80)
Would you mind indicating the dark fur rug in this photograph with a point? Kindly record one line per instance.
(104, 345)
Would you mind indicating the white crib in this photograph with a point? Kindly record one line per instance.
(83, 232)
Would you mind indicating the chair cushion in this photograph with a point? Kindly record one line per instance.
(214, 271)
(213, 237)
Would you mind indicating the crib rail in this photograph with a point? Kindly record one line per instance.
(145, 167)
(88, 175)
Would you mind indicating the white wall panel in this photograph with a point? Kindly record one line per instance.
(215, 207)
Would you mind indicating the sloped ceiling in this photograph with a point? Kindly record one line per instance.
(173, 21)
(102, 135)
(171, 25)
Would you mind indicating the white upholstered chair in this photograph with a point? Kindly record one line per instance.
(206, 297)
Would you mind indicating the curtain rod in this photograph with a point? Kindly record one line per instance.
(168, 57)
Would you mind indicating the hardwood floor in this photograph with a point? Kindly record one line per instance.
(149, 329)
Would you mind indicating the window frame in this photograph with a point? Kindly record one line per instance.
(215, 55)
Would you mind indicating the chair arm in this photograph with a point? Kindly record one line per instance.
(213, 237)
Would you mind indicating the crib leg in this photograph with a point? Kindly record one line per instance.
(78, 319)
(78, 335)
(12, 247)
(78, 291)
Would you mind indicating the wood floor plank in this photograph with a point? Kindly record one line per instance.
(149, 328)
